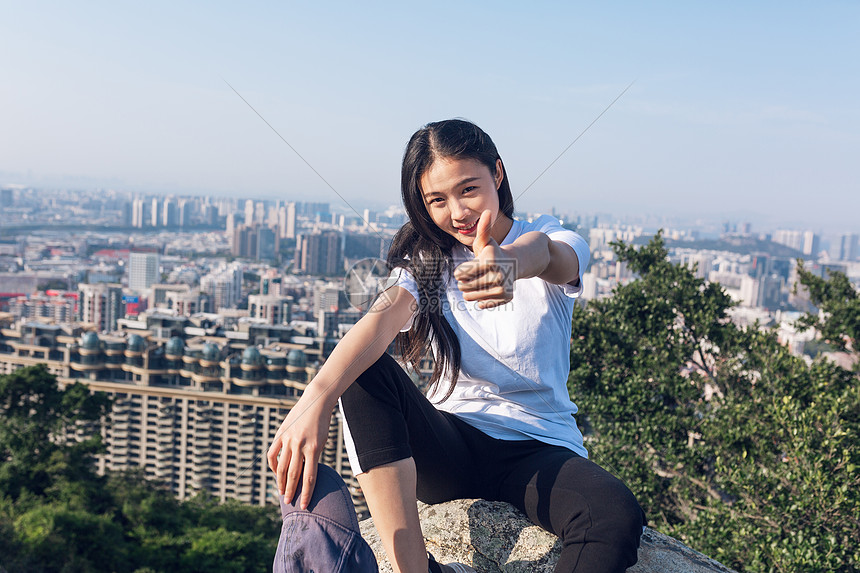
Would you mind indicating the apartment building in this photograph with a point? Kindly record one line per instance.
(196, 412)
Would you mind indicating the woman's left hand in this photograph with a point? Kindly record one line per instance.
(489, 277)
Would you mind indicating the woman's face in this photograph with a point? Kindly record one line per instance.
(457, 191)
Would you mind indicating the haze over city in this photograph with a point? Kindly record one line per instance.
(736, 111)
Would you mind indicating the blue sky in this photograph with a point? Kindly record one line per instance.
(748, 111)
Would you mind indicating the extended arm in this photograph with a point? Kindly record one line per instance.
(539, 256)
(489, 277)
(302, 435)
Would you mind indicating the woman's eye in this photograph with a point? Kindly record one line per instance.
(468, 189)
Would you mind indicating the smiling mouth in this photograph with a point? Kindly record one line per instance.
(467, 230)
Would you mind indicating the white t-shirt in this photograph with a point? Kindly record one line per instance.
(515, 359)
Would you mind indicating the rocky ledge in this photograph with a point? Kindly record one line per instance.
(495, 537)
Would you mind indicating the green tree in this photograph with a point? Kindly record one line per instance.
(38, 422)
(56, 537)
(732, 444)
(52, 498)
(58, 515)
(226, 551)
(839, 303)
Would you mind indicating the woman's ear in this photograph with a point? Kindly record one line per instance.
(500, 173)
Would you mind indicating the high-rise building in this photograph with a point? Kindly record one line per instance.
(287, 221)
(772, 292)
(282, 222)
(210, 214)
(142, 270)
(315, 211)
(224, 286)
(160, 292)
(55, 308)
(169, 213)
(360, 246)
(185, 208)
(272, 217)
(789, 238)
(230, 226)
(369, 218)
(154, 212)
(100, 304)
(319, 254)
(226, 206)
(259, 213)
(186, 303)
(848, 250)
(185, 410)
(267, 243)
(126, 214)
(271, 282)
(327, 297)
(271, 308)
(249, 212)
(255, 242)
(245, 241)
(138, 213)
(811, 243)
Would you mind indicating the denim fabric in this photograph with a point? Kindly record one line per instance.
(325, 538)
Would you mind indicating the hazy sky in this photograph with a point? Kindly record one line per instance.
(739, 109)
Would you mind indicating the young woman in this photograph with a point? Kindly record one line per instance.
(493, 298)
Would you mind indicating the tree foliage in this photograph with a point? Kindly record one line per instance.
(838, 321)
(732, 444)
(58, 515)
(35, 427)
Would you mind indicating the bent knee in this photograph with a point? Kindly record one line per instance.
(613, 517)
(618, 521)
(621, 509)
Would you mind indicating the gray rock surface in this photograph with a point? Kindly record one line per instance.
(494, 537)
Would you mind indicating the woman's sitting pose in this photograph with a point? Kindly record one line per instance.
(492, 297)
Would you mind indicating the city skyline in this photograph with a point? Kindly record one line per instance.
(706, 225)
(744, 113)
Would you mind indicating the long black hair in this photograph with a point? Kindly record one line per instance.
(425, 250)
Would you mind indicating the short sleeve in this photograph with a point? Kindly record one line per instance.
(553, 229)
(401, 277)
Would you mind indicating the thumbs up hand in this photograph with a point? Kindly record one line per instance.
(489, 277)
(482, 233)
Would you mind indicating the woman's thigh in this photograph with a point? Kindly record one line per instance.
(389, 419)
(593, 512)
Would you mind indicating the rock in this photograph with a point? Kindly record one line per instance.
(494, 537)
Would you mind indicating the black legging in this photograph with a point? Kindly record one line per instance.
(595, 515)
